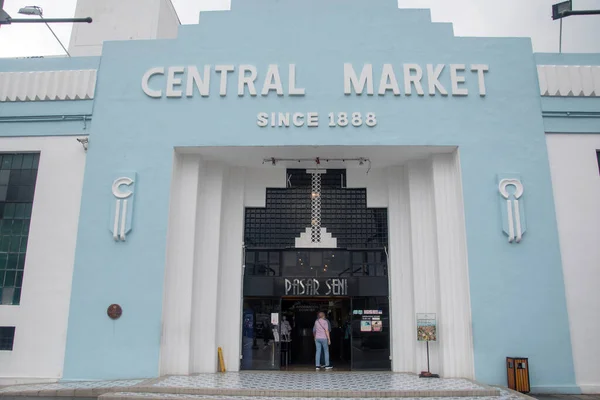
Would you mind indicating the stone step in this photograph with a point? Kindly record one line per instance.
(501, 395)
(172, 392)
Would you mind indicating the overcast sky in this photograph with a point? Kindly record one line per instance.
(530, 18)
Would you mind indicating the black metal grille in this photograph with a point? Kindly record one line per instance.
(7, 337)
(344, 214)
(315, 262)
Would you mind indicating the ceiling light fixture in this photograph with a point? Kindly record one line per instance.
(317, 160)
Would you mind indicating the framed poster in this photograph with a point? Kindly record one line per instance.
(426, 327)
(377, 326)
(365, 325)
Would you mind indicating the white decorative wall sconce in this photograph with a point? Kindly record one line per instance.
(512, 207)
(123, 190)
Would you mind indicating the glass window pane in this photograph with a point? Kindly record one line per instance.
(250, 257)
(27, 177)
(27, 161)
(36, 160)
(17, 161)
(15, 242)
(21, 262)
(263, 256)
(12, 261)
(25, 193)
(302, 258)
(9, 211)
(12, 193)
(25, 230)
(17, 226)
(9, 278)
(7, 295)
(23, 247)
(5, 244)
(316, 258)
(4, 176)
(289, 259)
(7, 161)
(274, 257)
(19, 280)
(15, 177)
(20, 211)
(259, 348)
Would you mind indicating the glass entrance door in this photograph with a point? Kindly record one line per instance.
(370, 333)
(261, 343)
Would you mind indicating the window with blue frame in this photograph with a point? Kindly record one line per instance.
(18, 173)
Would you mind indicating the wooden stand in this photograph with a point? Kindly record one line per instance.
(428, 374)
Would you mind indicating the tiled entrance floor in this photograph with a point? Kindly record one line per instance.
(270, 385)
(322, 380)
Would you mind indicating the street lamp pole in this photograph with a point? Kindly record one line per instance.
(565, 9)
(35, 10)
(6, 19)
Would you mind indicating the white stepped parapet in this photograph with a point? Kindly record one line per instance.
(47, 85)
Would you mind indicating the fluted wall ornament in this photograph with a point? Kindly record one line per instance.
(123, 191)
(47, 85)
(513, 214)
(569, 80)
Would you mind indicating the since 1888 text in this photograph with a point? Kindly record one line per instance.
(311, 119)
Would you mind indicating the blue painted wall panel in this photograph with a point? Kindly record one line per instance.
(517, 291)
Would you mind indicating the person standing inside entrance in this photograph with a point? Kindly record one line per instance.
(322, 340)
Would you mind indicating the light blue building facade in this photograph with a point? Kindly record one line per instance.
(283, 81)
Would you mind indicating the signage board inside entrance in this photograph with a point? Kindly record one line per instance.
(316, 287)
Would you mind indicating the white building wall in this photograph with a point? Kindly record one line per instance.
(179, 271)
(203, 276)
(205, 288)
(121, 20)
(576, 185)
(428, 269)
(229, 321)
(424, 251)
(41, 319)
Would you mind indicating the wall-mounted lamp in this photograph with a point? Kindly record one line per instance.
(84, 142)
